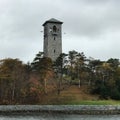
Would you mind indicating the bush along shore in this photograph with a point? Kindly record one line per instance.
(65, 109)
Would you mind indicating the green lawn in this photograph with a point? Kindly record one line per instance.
(88, 102)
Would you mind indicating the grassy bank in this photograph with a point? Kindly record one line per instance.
(76, 96)
(89, 102)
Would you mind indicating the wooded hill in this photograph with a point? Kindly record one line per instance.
(29, 83)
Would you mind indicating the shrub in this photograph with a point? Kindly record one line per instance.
(115, 94)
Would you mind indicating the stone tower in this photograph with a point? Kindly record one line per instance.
(52, 38)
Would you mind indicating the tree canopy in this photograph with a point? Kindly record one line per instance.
(27, 83)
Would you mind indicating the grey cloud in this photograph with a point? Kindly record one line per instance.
(21, 22)
(93, 20)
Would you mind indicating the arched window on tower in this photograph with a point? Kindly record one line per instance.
(54, 28)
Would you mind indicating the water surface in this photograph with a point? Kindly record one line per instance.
(59, 117)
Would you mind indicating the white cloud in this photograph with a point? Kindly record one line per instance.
(91, 26)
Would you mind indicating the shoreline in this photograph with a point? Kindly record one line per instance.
(65, 109)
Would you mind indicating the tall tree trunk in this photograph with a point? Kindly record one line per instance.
(45, 86)
(13, 91)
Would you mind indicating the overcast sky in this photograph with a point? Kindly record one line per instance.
(91, 26)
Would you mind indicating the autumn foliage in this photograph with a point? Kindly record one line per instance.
(29, 83)
(24, 83)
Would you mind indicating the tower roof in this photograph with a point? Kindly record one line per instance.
(52, 20)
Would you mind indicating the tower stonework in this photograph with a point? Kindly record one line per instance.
(52, 38)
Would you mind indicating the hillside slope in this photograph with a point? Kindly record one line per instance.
(69, 95)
